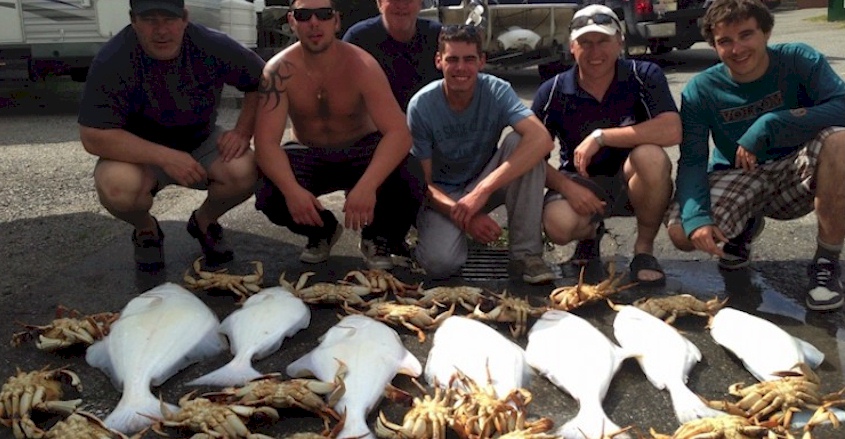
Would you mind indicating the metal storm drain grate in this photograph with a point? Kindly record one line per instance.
(486, 263)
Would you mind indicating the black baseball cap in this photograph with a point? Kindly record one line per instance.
(174, 7)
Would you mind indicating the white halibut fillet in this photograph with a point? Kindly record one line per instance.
(255, 331)
(665, 356)
(763, 347)
(158, 333)
(474, 348)
(372, 353)
(578, 358)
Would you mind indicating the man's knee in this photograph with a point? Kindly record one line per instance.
(679, 238)
(440, 268)
(240, 173)
(834, 146)
(121, 186)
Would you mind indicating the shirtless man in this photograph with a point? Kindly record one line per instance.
(349, 134)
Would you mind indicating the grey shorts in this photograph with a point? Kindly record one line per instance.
(613, 190)
(206, 154)
(784, 189)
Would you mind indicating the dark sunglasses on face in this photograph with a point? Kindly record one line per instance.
(305, 14)
(600, 19)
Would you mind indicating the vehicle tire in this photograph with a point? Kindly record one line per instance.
(658, 48)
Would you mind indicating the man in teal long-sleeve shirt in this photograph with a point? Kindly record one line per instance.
(776, 115)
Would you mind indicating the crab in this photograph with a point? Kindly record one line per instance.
(242, 286)
(720, 427)
(306, 394)
(670, 308)
(68, 329)
(479, 412)
(534, 430)
(413, 317)
(777, 400)
(380, 281)
(83, 425)
(37, 390)
(428, 418)
(210, 419)
(510, 309)
(326, 293)
(571, 297)
(465, 296)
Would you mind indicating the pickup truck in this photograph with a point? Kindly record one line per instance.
(525, 33)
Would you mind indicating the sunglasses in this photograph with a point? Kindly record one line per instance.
(599, 19)
(305, 14)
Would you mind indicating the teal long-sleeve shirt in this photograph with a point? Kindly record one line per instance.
(798, 96)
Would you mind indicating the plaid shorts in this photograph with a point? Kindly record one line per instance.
(783, 189)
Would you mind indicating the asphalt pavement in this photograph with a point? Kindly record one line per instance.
(60, 247)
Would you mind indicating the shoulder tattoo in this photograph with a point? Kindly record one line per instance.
(273, 84)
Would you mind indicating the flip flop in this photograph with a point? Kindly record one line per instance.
(645, 261)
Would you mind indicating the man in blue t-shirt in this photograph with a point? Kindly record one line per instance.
(775, 114)
(149, 111)
(613, 118)
(456, 124)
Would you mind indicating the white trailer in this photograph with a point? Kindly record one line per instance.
(40, 38)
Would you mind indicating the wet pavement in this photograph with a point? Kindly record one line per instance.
(60, 248)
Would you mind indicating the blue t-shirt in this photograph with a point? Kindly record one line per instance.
(798, 96)
(172, 103)
(459, 144)
(409, 66)
(571, 114)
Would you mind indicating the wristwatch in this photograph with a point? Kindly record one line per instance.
(599, 136)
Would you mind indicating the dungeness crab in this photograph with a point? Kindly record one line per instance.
(211, 419)
(670, 308)
(68, 329)
(37, 390)
(242, 286)
(413, 317)
(510, 309)
(428, 418)
(571, 297)
(324, 292)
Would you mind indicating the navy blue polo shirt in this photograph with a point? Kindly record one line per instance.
(571, 114)
(409, 66)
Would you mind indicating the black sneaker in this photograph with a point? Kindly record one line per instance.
(825, 290)
(214, 247)
(738, 249)
(149, 249)
(317, 250)
(589, 249)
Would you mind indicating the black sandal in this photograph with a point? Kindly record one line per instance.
(645, 261)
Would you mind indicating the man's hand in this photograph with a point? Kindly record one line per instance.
(232, 144)
(707, 239)
(465, 210)
(583, 201)
(359, 208)
(182, 168)
(483, 229)
(304, 207)
(584, 154)
(745, 159)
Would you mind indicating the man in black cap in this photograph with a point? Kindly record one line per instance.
(149, 111)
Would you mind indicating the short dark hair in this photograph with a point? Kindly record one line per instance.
(465, 33)
(735, 11)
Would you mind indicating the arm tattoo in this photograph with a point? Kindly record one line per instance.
(272, 85)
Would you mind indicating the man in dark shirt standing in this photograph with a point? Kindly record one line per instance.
(149, 111)
(404, 45)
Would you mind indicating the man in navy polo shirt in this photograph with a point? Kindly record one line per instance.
(149, 112)
(612, 117)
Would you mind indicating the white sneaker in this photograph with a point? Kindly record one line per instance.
(376, 254)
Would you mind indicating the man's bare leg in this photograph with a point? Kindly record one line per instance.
(648, 171)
